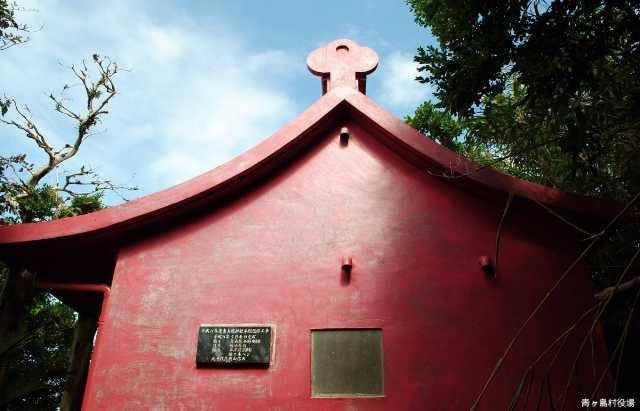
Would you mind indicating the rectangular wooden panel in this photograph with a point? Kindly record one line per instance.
(347, 363)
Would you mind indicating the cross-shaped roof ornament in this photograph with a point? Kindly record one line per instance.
(343, 63)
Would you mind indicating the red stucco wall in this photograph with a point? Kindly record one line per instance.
(272, 257)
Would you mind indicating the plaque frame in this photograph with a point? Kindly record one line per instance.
(237, 364)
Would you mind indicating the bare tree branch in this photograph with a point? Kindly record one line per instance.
(564, 220)
(560, 341)
(493, 162)
(87, 177)
(94, 92)
(61, 108)
(634, 282)
(499, 231)
(543, 301)
(619, 346)
(99, 90)
(82, 76)
(30, 129)
(605, 304)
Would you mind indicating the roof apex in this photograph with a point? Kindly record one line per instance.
(277, 149)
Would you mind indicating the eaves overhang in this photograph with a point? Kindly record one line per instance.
(115, 222)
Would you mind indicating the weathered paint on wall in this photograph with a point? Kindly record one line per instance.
(272, 256)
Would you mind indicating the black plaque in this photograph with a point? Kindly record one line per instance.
(234, 346)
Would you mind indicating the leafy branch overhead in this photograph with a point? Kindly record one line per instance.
(45, 350)
(11, 32)
(527, 71)
(24, 195)
(548, 91)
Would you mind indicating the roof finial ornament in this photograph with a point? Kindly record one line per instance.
(343, 63)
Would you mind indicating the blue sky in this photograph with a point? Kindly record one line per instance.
(206, 80)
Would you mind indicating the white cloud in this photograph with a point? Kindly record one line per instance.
(272, 60)
(219, 121)
(166, 44)
(399, 87)
(193, 97)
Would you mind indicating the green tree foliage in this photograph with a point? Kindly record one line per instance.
(502, 131)
(22, 203)
(552, 89)
(518, 73)
(11, 32)
(25, 194)
(37, 359)
(35, 338)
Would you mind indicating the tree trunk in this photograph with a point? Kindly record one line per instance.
(17, 294)
(83, 335)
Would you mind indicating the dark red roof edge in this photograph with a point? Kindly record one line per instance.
(444, 160)
(410, 142)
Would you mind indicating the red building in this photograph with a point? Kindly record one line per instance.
(333, 266)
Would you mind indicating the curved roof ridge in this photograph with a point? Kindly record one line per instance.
(411, 142)
(166, 200)
(459, 166)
